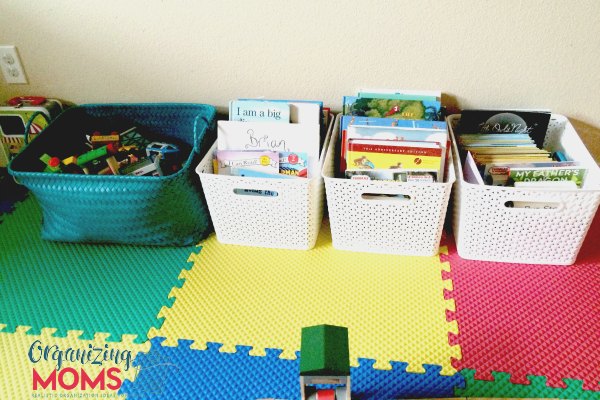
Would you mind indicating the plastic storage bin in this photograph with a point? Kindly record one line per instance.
(264, 212)
(148, 210)
(375, 216)
(487, 228)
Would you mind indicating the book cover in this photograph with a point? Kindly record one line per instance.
(301, 111)
(293, 164)
(302, 138)
(373, 154)
(267, 162)
(396, 175)
(347, 120)
(430, 95)
(391, 108)
(250, 173)
(397, 134)
(574, 174)
(501, 174)
(471, 171)
(249, 110)
(532, 123)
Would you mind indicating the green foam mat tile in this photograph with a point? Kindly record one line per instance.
(114, 289)
(502, 387)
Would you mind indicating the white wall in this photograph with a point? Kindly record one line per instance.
(509, 53)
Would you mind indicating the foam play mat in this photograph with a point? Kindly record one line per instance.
(165, 373)
(222, 321)
(530, 320)
(92, 288)
(26, 356)
(393, 306)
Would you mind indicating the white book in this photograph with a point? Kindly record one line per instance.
(274, 136)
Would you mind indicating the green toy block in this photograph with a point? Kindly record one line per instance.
(324, 351)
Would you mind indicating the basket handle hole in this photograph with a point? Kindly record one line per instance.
(385, 196)
(256, 192)
(537, 205)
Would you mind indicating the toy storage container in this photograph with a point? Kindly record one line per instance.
(488, 227)
(264, 212)
(385, 217)
(147, 210)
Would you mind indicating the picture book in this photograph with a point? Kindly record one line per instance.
(301, 111)
(532, 123)
(383, 154)
(250, 173)
(347, 120)
(265, 161)
(471, 171)
(508, 174)
(396, 134)
(397, 175)
(249, 110)
(293, 164)
(426, 95)
(273, 136)
(391, 108)
(472, 138)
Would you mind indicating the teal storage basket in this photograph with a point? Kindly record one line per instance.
(164, 210)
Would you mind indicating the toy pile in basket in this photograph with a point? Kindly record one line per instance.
(393, 136)
(506, 148)
(270, 139)
(119, 153)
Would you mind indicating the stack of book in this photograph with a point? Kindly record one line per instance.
(505, 148)
(393, 135)
(270, 139)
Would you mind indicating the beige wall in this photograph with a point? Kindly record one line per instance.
(510, 53)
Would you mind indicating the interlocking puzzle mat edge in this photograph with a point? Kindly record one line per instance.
(46, 278)
(481, 383)
(38, 365)
(502, 387)
(176, 372)
(187, 304)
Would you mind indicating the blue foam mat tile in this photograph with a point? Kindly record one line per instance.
(184, 373)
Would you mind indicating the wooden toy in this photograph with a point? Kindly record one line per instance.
(325, 360)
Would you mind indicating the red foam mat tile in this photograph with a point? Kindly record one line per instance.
(527, 319)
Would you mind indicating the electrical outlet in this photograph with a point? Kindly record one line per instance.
(11, 65)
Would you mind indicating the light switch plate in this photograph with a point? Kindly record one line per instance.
(11, 66)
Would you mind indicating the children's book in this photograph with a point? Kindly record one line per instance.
(532, 123)
(383, 154)
(508, 174)
(396, 134)
(471, 171)
(250, 173)
(397, 175)
(266, 162)
(293, 164)
(347, 120)
(391, 108)
(266, 111)
(273, 136)
(301, 111)
(427, 95)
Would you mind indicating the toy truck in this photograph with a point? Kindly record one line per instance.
(21, 119)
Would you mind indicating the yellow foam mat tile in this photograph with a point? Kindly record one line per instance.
(393, 305)
(23, 356)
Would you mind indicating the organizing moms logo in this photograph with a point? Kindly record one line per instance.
(78, 375)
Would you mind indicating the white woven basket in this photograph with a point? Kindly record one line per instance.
(486, 229)
(374, 216)
(290, 220)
